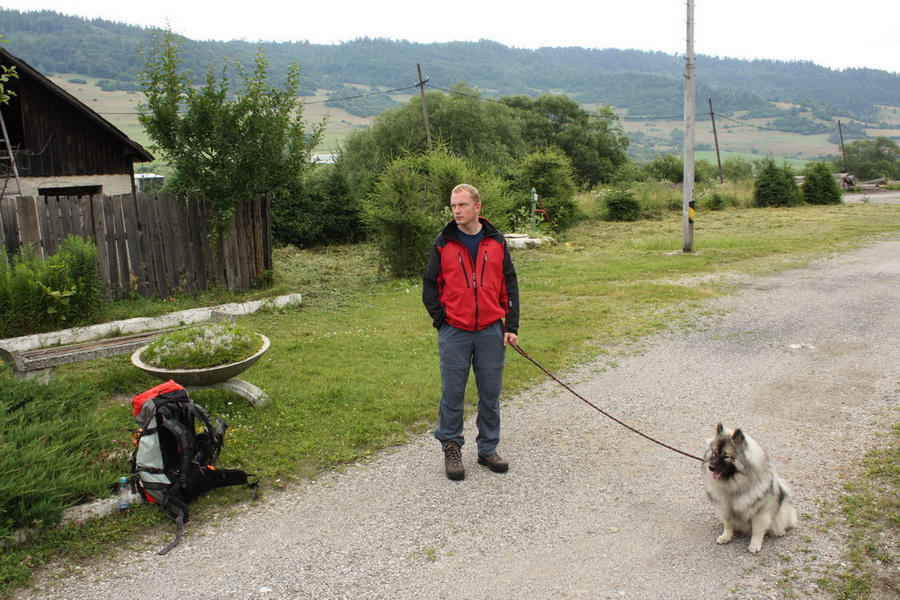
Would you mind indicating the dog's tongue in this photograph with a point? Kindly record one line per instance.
(717, 476)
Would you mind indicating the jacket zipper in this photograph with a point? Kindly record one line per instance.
(462, 266)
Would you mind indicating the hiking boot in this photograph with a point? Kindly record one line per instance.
(493, 462)
(453, 461)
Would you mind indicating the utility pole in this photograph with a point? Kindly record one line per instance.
(421, 85)
(690, 111)
(712, 117)
(843, 152)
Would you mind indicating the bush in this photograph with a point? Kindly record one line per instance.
(410, 206)
(820, 186)
(550, 173)
(51, 451)
(774, 186)
(621, 206)
(42, 295)
(317, 209)
(669, 167)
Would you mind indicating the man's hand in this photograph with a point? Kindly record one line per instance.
(510, 339)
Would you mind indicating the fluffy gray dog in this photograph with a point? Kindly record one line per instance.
(747, 494)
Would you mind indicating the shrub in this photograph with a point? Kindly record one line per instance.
(665, 167)
(42, 295)
(550, 173)
(774, 186)
(820, 186)
(410, 206)
(52, 452)
(621, 206)
(317, 209)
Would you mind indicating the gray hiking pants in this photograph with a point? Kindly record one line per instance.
(483, 352)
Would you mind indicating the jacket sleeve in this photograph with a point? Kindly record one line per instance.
(512, 292)
(431, 295)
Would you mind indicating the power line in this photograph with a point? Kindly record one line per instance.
(478, 97)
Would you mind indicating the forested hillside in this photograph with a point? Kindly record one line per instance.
(641, 83)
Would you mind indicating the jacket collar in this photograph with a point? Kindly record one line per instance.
(451, 230)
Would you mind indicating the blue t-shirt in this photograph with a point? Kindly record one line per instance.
(472, 242)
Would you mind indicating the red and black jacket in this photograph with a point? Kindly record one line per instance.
(467, 294)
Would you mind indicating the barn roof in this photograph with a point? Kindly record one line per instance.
(140, 154)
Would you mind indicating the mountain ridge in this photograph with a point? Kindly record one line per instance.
(636, 82)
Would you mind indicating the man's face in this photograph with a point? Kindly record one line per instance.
(465, 210)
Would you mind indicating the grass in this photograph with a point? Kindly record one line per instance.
(871, 506)
(354, 369)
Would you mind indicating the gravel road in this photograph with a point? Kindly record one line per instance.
(806, 361)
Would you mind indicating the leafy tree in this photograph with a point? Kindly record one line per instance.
(669, 167)
(872, 159)
(737, 168)
(594, 143)
(820, 186)
(482, 131)
(6, 73)
(774, 185)
(227, 146)
(666, 167)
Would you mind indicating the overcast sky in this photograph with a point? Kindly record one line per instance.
(862, 33)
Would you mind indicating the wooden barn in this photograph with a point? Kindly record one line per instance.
(54, 145)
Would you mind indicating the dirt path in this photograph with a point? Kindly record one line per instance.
(807, 361)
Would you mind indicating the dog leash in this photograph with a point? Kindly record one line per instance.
(600, 410)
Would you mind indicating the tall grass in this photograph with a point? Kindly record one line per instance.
(44, 294)
(658, 199)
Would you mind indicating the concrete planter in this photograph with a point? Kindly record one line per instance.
(200, 377)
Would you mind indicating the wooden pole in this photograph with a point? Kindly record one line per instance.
(690, 110)
(712, 117)
(843, 152)
(421, 85)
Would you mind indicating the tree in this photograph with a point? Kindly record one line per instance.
(737, 168)
(316, 209)
(820, 186)
(774, 185)
(6, 73)
(482, 131)
(226, 146)
(594, 143)
(872, 159)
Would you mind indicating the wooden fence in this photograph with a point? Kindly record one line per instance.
(150, 245)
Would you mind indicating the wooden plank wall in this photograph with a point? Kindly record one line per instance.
(149, 245)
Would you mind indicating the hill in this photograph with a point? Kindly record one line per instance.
(753, 101)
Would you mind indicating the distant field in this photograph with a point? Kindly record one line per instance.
(120, 109)
(737, 136)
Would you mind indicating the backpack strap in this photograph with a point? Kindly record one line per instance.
(185, 440)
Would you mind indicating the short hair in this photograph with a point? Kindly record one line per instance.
(465, 187)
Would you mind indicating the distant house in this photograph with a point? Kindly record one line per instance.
(59, 145)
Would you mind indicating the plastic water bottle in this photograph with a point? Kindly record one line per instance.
(124, 500)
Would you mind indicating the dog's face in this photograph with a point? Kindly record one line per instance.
(723, 453)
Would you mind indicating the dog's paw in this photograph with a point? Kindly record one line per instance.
(755, 546)
(724, 538)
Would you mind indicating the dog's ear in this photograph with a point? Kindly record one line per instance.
(719, 429)
(738, 437)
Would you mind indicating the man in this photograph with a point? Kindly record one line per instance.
(471, 291)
